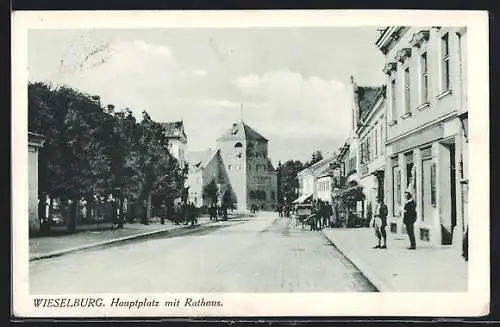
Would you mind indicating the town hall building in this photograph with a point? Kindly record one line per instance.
(239, 165)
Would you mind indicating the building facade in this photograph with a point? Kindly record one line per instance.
(252, 177)
(240, 165)
(426, 146)
(370, 133)
(316, 179)
(176, 135)
(204, 167)
(35, 142)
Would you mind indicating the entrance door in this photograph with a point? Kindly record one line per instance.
(427, 189)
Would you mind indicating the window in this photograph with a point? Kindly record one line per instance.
(382, 139)
(462, 45)
(406, 80)
(228, 167)
(410, 172)
(433, 184)
(375, 140)
(396, 187)
(273, 195)
(445, 63)
(238, 167)
(393, 99)
(424, 93)
(368, 148)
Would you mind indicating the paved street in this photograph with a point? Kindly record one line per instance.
(257, 254)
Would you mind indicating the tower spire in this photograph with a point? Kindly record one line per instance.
(241, 112)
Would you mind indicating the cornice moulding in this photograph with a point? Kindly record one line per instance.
(419, 38)
(389, 68)
(403, 55)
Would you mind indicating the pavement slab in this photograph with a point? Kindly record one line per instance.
(397, 269)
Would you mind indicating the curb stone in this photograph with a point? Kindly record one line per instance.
(108, 242)
(365, 270)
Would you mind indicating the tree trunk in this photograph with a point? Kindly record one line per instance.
(73, 216)
(121, 216)
(148, 209)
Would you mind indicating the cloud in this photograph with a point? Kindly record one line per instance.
(298, 106)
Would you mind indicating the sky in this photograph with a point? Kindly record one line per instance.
(290, 84)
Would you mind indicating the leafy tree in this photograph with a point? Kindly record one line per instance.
(91, 151)
(288, 182)
(210, 191)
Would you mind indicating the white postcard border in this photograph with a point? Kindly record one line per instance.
(472, 303)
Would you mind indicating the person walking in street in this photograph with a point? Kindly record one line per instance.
(280, 210)
(380, 222)
(327, 213)
(409, 219)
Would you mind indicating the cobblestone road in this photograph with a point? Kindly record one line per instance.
(258, 254)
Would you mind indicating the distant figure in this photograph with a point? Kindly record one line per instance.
(327, 214)
(409, 219)
(280, 210)
(213, 212)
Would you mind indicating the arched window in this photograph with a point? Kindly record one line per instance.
(238, 145)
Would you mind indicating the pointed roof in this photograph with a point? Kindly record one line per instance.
(199, 158)
(241, 131)
(367, 96)
(174, 129)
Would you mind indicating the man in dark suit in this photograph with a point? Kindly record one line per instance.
(409, 219)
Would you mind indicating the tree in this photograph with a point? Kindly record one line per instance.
(210, 192)
(91, 151)
(288, 182)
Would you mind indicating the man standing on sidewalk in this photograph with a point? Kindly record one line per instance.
(409, 219)
(380, 222)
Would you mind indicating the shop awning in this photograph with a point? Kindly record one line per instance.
(302, 198)
(342, 192)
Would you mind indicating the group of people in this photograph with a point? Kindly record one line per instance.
(322, 215)
(284, 210)
(181, 213)
(217, 211)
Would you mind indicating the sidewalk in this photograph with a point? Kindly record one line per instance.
(397, 269)
(51, 246)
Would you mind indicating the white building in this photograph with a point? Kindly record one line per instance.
(427, 129)
(370, 133)
(308, 180)
(174, 131)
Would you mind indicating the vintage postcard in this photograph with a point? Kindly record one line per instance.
(250, 163)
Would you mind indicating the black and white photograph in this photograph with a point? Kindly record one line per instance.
(260, 164)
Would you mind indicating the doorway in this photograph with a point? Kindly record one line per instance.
(448, 199)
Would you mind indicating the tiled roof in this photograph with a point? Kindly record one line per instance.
(367, 96)
(198, 159)
(173, 128)
(241, 131)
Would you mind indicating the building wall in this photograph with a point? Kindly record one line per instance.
(34, 222)
(234, 165)
(306, 180)
(195, 182)
(324, 188)
(372, 153)
(178, 149)
(419, 136)
(259, 178)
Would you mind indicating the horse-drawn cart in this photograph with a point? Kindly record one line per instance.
(303, 214)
